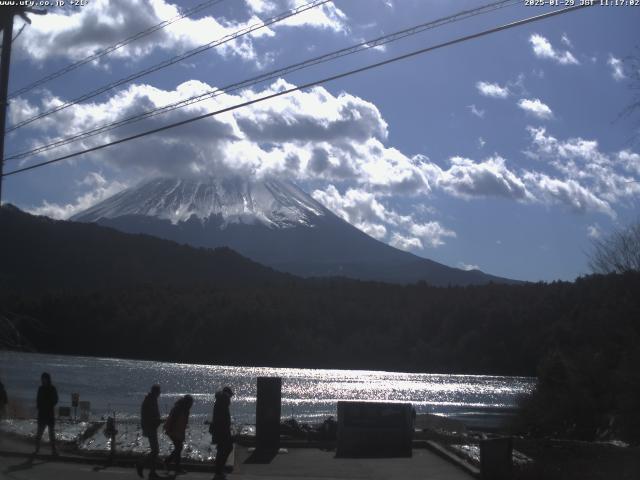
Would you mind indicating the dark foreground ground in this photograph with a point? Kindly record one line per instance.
(553, 460)
(304, 463)
(577, 461)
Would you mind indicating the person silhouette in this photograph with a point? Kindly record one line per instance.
(175, 427)
(150, 421)
(4, 400)
(3, 404)
(46, 401)
(220, 430)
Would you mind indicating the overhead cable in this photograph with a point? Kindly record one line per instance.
(171, 61)
(305, 86)
(359, 47)
(106, 51)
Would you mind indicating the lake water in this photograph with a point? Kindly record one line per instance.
(307, 394)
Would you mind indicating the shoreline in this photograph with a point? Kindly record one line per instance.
(274, 367)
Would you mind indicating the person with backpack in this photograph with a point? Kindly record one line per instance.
(150, 421)
(46, 401)
(175, 427)
(220, 430)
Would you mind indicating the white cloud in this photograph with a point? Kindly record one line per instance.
(492, 90)
(315, 135)
(358, 207)
(571, 148)
(73, 34)
(331, 139)
(468, 266)
(365, 211)
(536, 108)
(406, 243)
(481, 142)
(431, 233)
(630, 161)
(488, 178)
(542, 48)
(518, 84)
(567, 192)
(592, 179)
(476, 111)
(262, 6)
(565, 39)
(100, 189)
(617, 68)
(594, 231)
(327, 16)
(304, 134)
(76, 33)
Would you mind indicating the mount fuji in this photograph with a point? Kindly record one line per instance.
(270, 221)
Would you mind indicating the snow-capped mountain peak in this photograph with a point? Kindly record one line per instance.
(273, 203)
(270, 221)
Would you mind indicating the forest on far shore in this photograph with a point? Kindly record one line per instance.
(336, 323)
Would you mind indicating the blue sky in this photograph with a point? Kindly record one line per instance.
(506, 153)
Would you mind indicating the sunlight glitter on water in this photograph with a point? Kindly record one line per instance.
(120, 385)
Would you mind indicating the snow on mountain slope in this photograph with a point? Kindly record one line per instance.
(270, 221)
(273, 203)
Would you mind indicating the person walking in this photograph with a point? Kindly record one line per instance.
(3, 401)
(3, 404)
(175, 427)
(46, 401)
(220, 430)
(150, 421)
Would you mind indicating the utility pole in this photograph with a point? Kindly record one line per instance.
(6, 25)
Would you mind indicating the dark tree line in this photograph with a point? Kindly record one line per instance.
(493, 329)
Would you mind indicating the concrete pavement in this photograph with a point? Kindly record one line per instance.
(297, 463)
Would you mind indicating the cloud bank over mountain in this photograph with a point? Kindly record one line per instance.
(339, 140)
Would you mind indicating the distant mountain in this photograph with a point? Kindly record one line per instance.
(272, 222)
(37, 252)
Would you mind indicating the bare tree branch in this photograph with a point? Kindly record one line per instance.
(617, 253)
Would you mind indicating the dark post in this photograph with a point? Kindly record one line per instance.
(6, 25)
(7, 28)
(268, 409)
(75, 399)
(496, 458)
(110, 432)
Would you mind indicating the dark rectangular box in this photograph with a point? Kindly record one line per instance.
(496, 458)
(374, 429)
(268, 409)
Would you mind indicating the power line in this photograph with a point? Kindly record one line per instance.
(18, 34)
(173, 60)
(114, 47)
(305, 86)
(368, 44)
